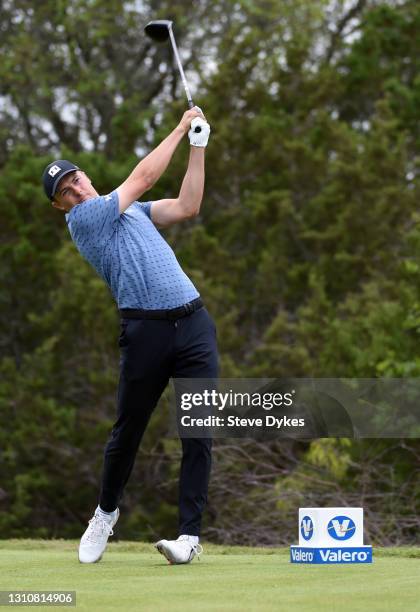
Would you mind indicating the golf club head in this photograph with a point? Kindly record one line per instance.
(158, 30)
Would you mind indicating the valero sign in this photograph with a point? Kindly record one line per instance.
(331, 535)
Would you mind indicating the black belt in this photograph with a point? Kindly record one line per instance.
(171, 314)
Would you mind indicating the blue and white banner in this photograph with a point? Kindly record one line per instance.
(360, 554)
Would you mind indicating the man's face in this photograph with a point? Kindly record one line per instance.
(74, 188)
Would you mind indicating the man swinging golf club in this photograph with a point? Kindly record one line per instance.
(165, 330)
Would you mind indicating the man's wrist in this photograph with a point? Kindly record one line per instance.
(180, 130)
(197, 150)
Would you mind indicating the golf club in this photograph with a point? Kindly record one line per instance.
(160, 31)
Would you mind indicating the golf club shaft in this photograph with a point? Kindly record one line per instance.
(180, 68)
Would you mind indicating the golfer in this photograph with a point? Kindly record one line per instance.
(165, 329)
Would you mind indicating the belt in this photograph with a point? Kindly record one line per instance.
(171, 314)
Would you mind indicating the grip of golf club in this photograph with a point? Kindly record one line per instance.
(191, 104)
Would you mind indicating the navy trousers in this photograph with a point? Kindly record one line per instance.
(153, 351)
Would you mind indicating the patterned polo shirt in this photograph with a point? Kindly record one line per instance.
(129, 253)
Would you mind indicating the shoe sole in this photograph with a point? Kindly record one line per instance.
(90, 562)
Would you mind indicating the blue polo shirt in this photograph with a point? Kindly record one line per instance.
(129, 253)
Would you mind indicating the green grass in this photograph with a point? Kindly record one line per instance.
(133, 576)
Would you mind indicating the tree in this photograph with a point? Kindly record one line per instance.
(306, 251)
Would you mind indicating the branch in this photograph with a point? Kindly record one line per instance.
(357, 8)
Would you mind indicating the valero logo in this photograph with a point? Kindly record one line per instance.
(306, 528)
(341, 528)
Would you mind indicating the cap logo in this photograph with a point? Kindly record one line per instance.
(53, 170)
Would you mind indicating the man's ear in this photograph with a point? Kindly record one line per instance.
(88, 177)
(57, 205)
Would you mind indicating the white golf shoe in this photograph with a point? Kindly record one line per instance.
(182, 550)
(95, 538)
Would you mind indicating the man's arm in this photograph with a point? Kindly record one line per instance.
(150, 169)
(187, 204)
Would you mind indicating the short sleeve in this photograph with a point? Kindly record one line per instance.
(94, 221)
(144, 207)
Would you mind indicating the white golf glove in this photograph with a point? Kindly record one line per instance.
(199, 138)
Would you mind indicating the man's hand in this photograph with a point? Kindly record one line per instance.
(199, 132)
(188, 116)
